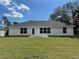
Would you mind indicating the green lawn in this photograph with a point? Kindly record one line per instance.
(39, 47)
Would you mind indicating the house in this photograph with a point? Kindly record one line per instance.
(41, 28)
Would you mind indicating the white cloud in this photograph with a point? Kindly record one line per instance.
(14, 14)
(11, 9)
(5, 14)
(17, 14)
(23, 7)
(12, 6)
(5, 2)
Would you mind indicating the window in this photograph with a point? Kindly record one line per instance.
(48, 30)
(41, 30)
(44, 30)
(23, 30)
(64, 30)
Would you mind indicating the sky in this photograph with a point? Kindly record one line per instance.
(26, 10)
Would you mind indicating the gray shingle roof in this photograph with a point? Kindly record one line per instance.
(43, 23)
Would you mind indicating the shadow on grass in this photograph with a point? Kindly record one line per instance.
(74, 37)
(35, 57)
(18, 36)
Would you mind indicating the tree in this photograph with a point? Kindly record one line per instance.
(15, 23)
(5, 22)
(60, 15)
(68, 12)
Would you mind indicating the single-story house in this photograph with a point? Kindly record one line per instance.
(41, 28)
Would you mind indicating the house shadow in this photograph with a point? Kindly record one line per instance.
(74, 37)
(71, 37)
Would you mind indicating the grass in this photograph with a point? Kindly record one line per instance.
(39, 47)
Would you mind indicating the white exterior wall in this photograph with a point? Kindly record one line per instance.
(59, 32)
(54, 31)
(37, 31)
(16, 31)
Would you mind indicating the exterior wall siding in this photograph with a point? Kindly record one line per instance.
(59, 32)
(16, 31)
(54, 31)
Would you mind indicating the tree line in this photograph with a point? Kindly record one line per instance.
(68, 13)
(4, 22)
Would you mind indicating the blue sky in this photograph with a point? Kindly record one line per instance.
(25, 10)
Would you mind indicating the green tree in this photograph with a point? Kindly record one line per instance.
(5, 22)
(60, 15)
(15, 23)
(68, 12)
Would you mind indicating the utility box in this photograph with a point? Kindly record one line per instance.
(2, 32)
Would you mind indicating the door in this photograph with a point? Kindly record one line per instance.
(33, 31)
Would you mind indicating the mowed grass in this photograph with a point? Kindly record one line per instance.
(39, 47)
